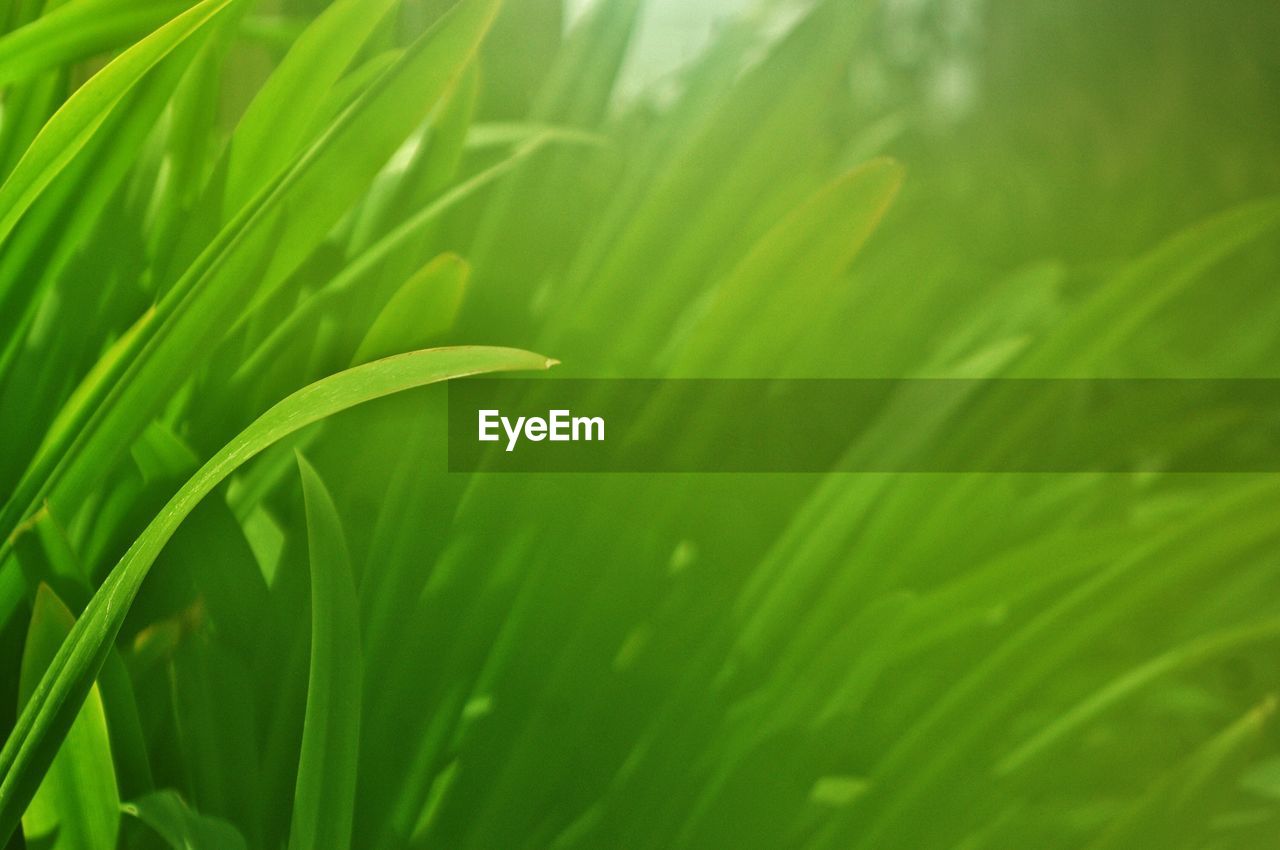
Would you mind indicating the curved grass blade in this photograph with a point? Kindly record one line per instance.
(74, 124)
(77, 30)
(285, 221)
(324, 798)
(55, 701)
(1196, 652)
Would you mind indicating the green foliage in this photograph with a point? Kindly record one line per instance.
(180, 827)
(326, 794)
(77, 804)
(230, 229)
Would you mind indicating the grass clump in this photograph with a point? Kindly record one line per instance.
(232, 231)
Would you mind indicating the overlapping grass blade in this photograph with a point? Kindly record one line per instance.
(181, 828)
(76, 804)
(214, 291)
(272, 128)
(84, 112)
(56, 700)
(1175, 806)
(74, 31)
(420, 311)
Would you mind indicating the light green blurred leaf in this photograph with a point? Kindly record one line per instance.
(422, 309)
(75, 30)
(272, 128)
(1176, 804)
(764, 307)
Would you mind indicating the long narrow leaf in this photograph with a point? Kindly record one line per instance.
(77, 805)
(56, 700)
(85, 111)
(324, 800)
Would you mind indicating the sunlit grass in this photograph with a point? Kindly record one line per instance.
(243, 604)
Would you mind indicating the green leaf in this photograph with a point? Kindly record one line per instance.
(399, 240)
(1116, 311)
(105, 371)
(42, 725)
(274, 125)
(1196, 652)
(77, 805)
(1174, 808)
(281, 226)
(324, 799)
(371, 130)
(419, 311)
(762, 309)
(76, 30)
(74, 124)
(180, 826)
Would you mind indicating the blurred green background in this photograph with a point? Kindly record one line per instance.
(209, 206)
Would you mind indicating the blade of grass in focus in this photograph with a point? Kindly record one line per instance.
(51, 708)
(76, 804)
(325, 797)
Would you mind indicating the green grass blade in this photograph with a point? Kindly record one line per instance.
(1174, 809)
(215, 290)
(181, 827)
(74, 124)
(356, 272)
(69, 211)
(273, 126)
(1197, 652)
(371, 130)
(43, 723)
(762, 307)
(77, 805)
(422, 309)
(1116, 311)
(76, 30)
(348, 89)
(324, 799)
(104, 371)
